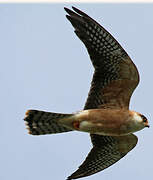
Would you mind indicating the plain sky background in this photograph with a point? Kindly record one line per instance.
(43, 65)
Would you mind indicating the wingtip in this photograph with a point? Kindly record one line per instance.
(69, 178)
(74, 8)
(68, 17)
(70, 12)
(66, 9)
(79, 12)
(73, 176)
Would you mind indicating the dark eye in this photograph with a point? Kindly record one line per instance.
(144, 118)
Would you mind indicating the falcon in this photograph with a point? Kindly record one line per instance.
(106, 115)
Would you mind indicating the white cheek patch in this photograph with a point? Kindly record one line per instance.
(137, 117)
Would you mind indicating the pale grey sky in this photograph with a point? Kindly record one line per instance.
(43, 65)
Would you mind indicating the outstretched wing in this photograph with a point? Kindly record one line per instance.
(105, 152)
(115, 76)
(114, 81)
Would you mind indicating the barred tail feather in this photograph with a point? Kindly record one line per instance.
(41, 122)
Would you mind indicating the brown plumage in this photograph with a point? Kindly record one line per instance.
(106, 115)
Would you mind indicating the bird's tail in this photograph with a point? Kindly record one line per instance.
(40, 122)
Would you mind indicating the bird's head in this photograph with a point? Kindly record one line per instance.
(140, 120)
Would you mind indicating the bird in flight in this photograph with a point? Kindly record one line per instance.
(106, 115)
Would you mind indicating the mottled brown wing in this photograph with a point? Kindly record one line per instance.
(105, 152)
(114, 80)
(115, 76)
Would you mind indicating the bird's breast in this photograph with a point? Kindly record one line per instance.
(103, 122)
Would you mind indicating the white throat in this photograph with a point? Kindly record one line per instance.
(137, 117)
